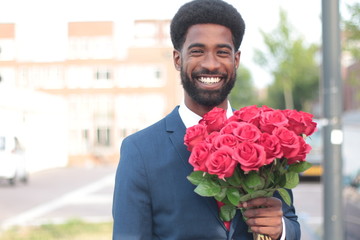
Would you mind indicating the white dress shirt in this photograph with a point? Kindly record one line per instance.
(190, 118)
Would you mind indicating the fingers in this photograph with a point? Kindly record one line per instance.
(261, 212)
(262, 202)
(264, 222)
(264, 215)
(273, 233)
(271, 227)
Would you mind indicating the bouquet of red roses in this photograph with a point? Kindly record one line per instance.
(257, 151)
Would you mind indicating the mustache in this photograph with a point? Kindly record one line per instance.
(208, 72)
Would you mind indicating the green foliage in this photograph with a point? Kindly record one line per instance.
(293, 66)
(227, 212)
(208, 188)
(243, 186)
(285, 195)
(352, 31)
(300, 167)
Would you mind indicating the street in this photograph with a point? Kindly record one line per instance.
(308, 200)
(59, 194)
(86, 193)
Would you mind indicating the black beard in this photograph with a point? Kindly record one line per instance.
(208, 98)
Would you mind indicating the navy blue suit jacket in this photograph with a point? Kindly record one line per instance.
(154, 200)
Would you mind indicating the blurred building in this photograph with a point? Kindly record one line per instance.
(352, 87)
(108, 97)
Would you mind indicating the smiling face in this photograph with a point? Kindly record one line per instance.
(207, 63)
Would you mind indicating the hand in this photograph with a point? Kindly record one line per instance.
(264, 216)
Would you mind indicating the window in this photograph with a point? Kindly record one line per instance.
(145, 34)
(85, 134)
(103, 74)
(146, 75)
(103, 136)
(2, 143)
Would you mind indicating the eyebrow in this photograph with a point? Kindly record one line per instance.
(222, 45)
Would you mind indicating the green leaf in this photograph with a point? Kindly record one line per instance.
(196, 177)
(246, 188)
(285, 195)
(208, 188)
(227, 212)
(292, 180)
(235, 179)
(260, 193)
(233, 195)
(245, 197)
(226, 201)
(300, 167)
(281, 180)
(270, 178)
(221, 195)
(253, 180)
(269, 192)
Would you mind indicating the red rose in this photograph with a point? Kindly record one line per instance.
(310, 125)
(271, 146)
(304, 150)
(221, 163)
(194, 135)
(300, 122)
(289, 141)
(214, 120)
(210, 138)
(251, 156)
(295, 121)
(246, 132)
(199, 156)
(229, 127)
(250, 114)
(272, 119)
(225, 140)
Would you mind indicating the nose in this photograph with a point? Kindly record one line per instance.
(210, 62)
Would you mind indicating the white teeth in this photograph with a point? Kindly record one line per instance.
(209, 80)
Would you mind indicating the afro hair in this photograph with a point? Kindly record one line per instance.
(202, 12)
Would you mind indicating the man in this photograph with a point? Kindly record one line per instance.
(153, 198)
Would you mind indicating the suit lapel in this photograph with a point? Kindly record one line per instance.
(176, 129)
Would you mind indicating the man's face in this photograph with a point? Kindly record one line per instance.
(207, 64)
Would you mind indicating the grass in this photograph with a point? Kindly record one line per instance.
(71, 230)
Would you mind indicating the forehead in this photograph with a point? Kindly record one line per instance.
(208, 34)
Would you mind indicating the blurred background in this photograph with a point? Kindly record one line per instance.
(76, 77)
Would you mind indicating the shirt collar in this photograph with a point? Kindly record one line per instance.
(190, 118)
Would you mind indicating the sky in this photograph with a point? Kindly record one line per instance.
(49, 16)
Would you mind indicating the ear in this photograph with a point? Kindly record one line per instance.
(237, 59)
(177, 59)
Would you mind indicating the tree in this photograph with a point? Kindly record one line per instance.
(293, 66)
(351, 45)
(352, 31)
(244, 93)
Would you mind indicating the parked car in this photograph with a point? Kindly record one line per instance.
(12, 160)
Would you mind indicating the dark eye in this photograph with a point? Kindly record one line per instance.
(196, 52)
(224, 52)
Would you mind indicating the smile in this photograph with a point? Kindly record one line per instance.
(209, 80)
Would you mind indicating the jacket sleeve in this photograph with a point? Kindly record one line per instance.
(131, 202)
(292, 225)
